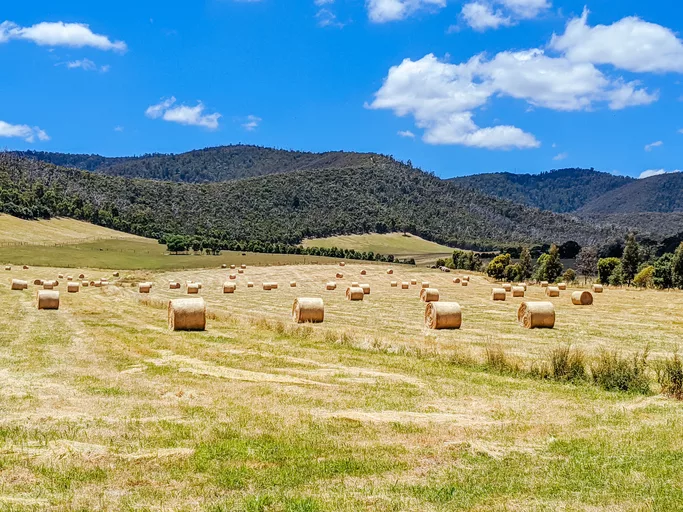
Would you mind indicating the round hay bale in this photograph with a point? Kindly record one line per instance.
(390, 271)
(187, 315)
(518, 291)
(339, 275)
(354, 284)
(308, 310)
(507, 287)
(92, 283)
(342, 264)
(60, 276)
(405, 285)
(142, 287)
(7, 267)
(85, 284)
(193, 288)
(365, 288)
(240, 271)
(443, 315)
(224, 265)
(425, 284)
(429, 295)
(48, 285)
(116, 274)
(394, 284)
(582, 298)
(81, 276)
(562, 286)
(552, 291)
(498, 294)
(363, 272)
(536, 315)
(48, 299)
(522, 285)
(267, 287)
(413, 282)
(250, 284)
(233, 276)
(173, 285)
(273, 286)
(331, 286)
(544, 284)
(465, 283)
(73, 287)
(466, 278)
(38, 282)
(69, 278)
(232, 267)
(229, 287)
(597, 288)
(292, 284)
(19, 284)
(25, 267)
(456, 280)
(243, 266)
(354, 293)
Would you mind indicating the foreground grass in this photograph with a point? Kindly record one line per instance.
(102, 407)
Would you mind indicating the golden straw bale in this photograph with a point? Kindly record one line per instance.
(7, 267)
(187, 314)
(273, 286)
(240, 271)
(331, 286)
(354, 293)
(193, 288)
(366, 288)
(81, 276)
(355, 284)
(116, 274)
(552, 291)
(394, 284)
(60, 276)
(425, 284)
(507, 287)
(229, 287)
(292, 284)
(48, 299)
(466, 278)
(73, 287)
(544, 284)
(224, 265)
(233, 276)
(342, 264)
(465, 283)
(85, 284)
(443, 315)
(173, 285)
(19, 284)
(582, 298)
(429, 295)
(243, 266)
(562, 286)
(339, 275)
(48, 285)
(69, 278)
(518, 291)
(363, 272)
(498, 294)
(232, 267)
(250, 284)
(405, 285)
(533, 315)
(597, 288)
(390, 271)
(308, 310)
(142, 287)
(38, 282)
(25, 267)
(456, 280)
(267, 287)
(522, 285)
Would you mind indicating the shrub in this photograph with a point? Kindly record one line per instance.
(617, 278)
(567, 364)
(670, 376)
(613, 372)
(498, 361)
(645, 278)
(605, 268)
(569, 276)
(496, 268)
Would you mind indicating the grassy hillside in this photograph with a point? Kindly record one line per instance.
(222, 163)
(286, 207)
(564, 190)
(104, 409)
(398, 244)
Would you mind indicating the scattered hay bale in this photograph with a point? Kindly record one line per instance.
(507, 287)
(465, 283)
(331, 286)
(308, 310)
(267, 287)
(142, 287)
(232, 267)
(562, 286)
(25, 267)
(597, 288)
(273, 286)
(173, 285)
(92, 283)
(456, 280)
(48, 299)
(81, 276)
(363, 272)
(98, 284)
(19, 284)
(342, 264)
(224, 265)
(544, 284)
(390, 271)
(518, 291)
(365, 288)
(7, 267)
(405, 285)
(116, 274)
(73, 287)
(522, 285)
(413, 282)
(466, 278)
(292, 284)
(85, 284)
(243, 266)
(443, 315)
(187, 315)
(193, 288)
(394, 284)
(354, 293)
(240, 271)
(425, 284)
(250, 284)
(233, 276)
(229, 287)
(339, 275)
(582, 298)
(49, 285)
(498, 294)
(38, 282)
(69, 278)
(536, 315)
(429, 295)
(552, 291)
(354, 284)
(60, 276)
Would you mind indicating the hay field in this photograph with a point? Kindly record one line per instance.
(14, 230)
(103, 408)
(400, 245)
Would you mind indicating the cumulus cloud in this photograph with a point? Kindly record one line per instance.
(655, 172)
(252, 123)
(481, 16)
(182, 114)
(650, 147)
(382, 11)
(406, 133)
(630, 43)
(74, 35)
(561, 156)
(492, 14)
(22, 131)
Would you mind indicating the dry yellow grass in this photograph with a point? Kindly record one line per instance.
(55, 231)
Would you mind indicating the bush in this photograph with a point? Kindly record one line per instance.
(567, 365)
(670, 376)
(605, 268)
(616, 373)
(645, 278)
(498, 361)
(569, 276)
(617, 278)
(496, 268)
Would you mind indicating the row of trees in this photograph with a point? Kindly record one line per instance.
(548, 267)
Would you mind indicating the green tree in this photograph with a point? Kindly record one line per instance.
(663, 277)
(569, 276)
(525, 267)
(645, 278)
(617, 277)
(631, 258)
(677, 267)
(605, 268)
(496, 268)
(549, 265)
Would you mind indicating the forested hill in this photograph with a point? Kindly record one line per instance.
(223, 163)
(286, 207)
(562, 191)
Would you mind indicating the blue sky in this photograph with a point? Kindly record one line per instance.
(458, 87)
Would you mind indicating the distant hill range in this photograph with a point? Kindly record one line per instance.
(277, 194)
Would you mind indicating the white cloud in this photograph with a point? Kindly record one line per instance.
(382, 11)
(526, 9)
(22, 131)
(85, 64)
(655, 172)
(561, 156)
(320, 3)
(118, 128)
(406, 133)
(252, 123)
(630, 43)
(650, 147)
(327, 18)
(481, 16)
(74, 35)
(182, 114)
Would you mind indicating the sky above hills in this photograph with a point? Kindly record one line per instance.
(457, 87)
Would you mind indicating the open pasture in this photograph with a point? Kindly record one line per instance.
(104, 408)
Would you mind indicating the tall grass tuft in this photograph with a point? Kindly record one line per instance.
(613, 372)
(498, 361)
(567, 365)
(670, 376)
